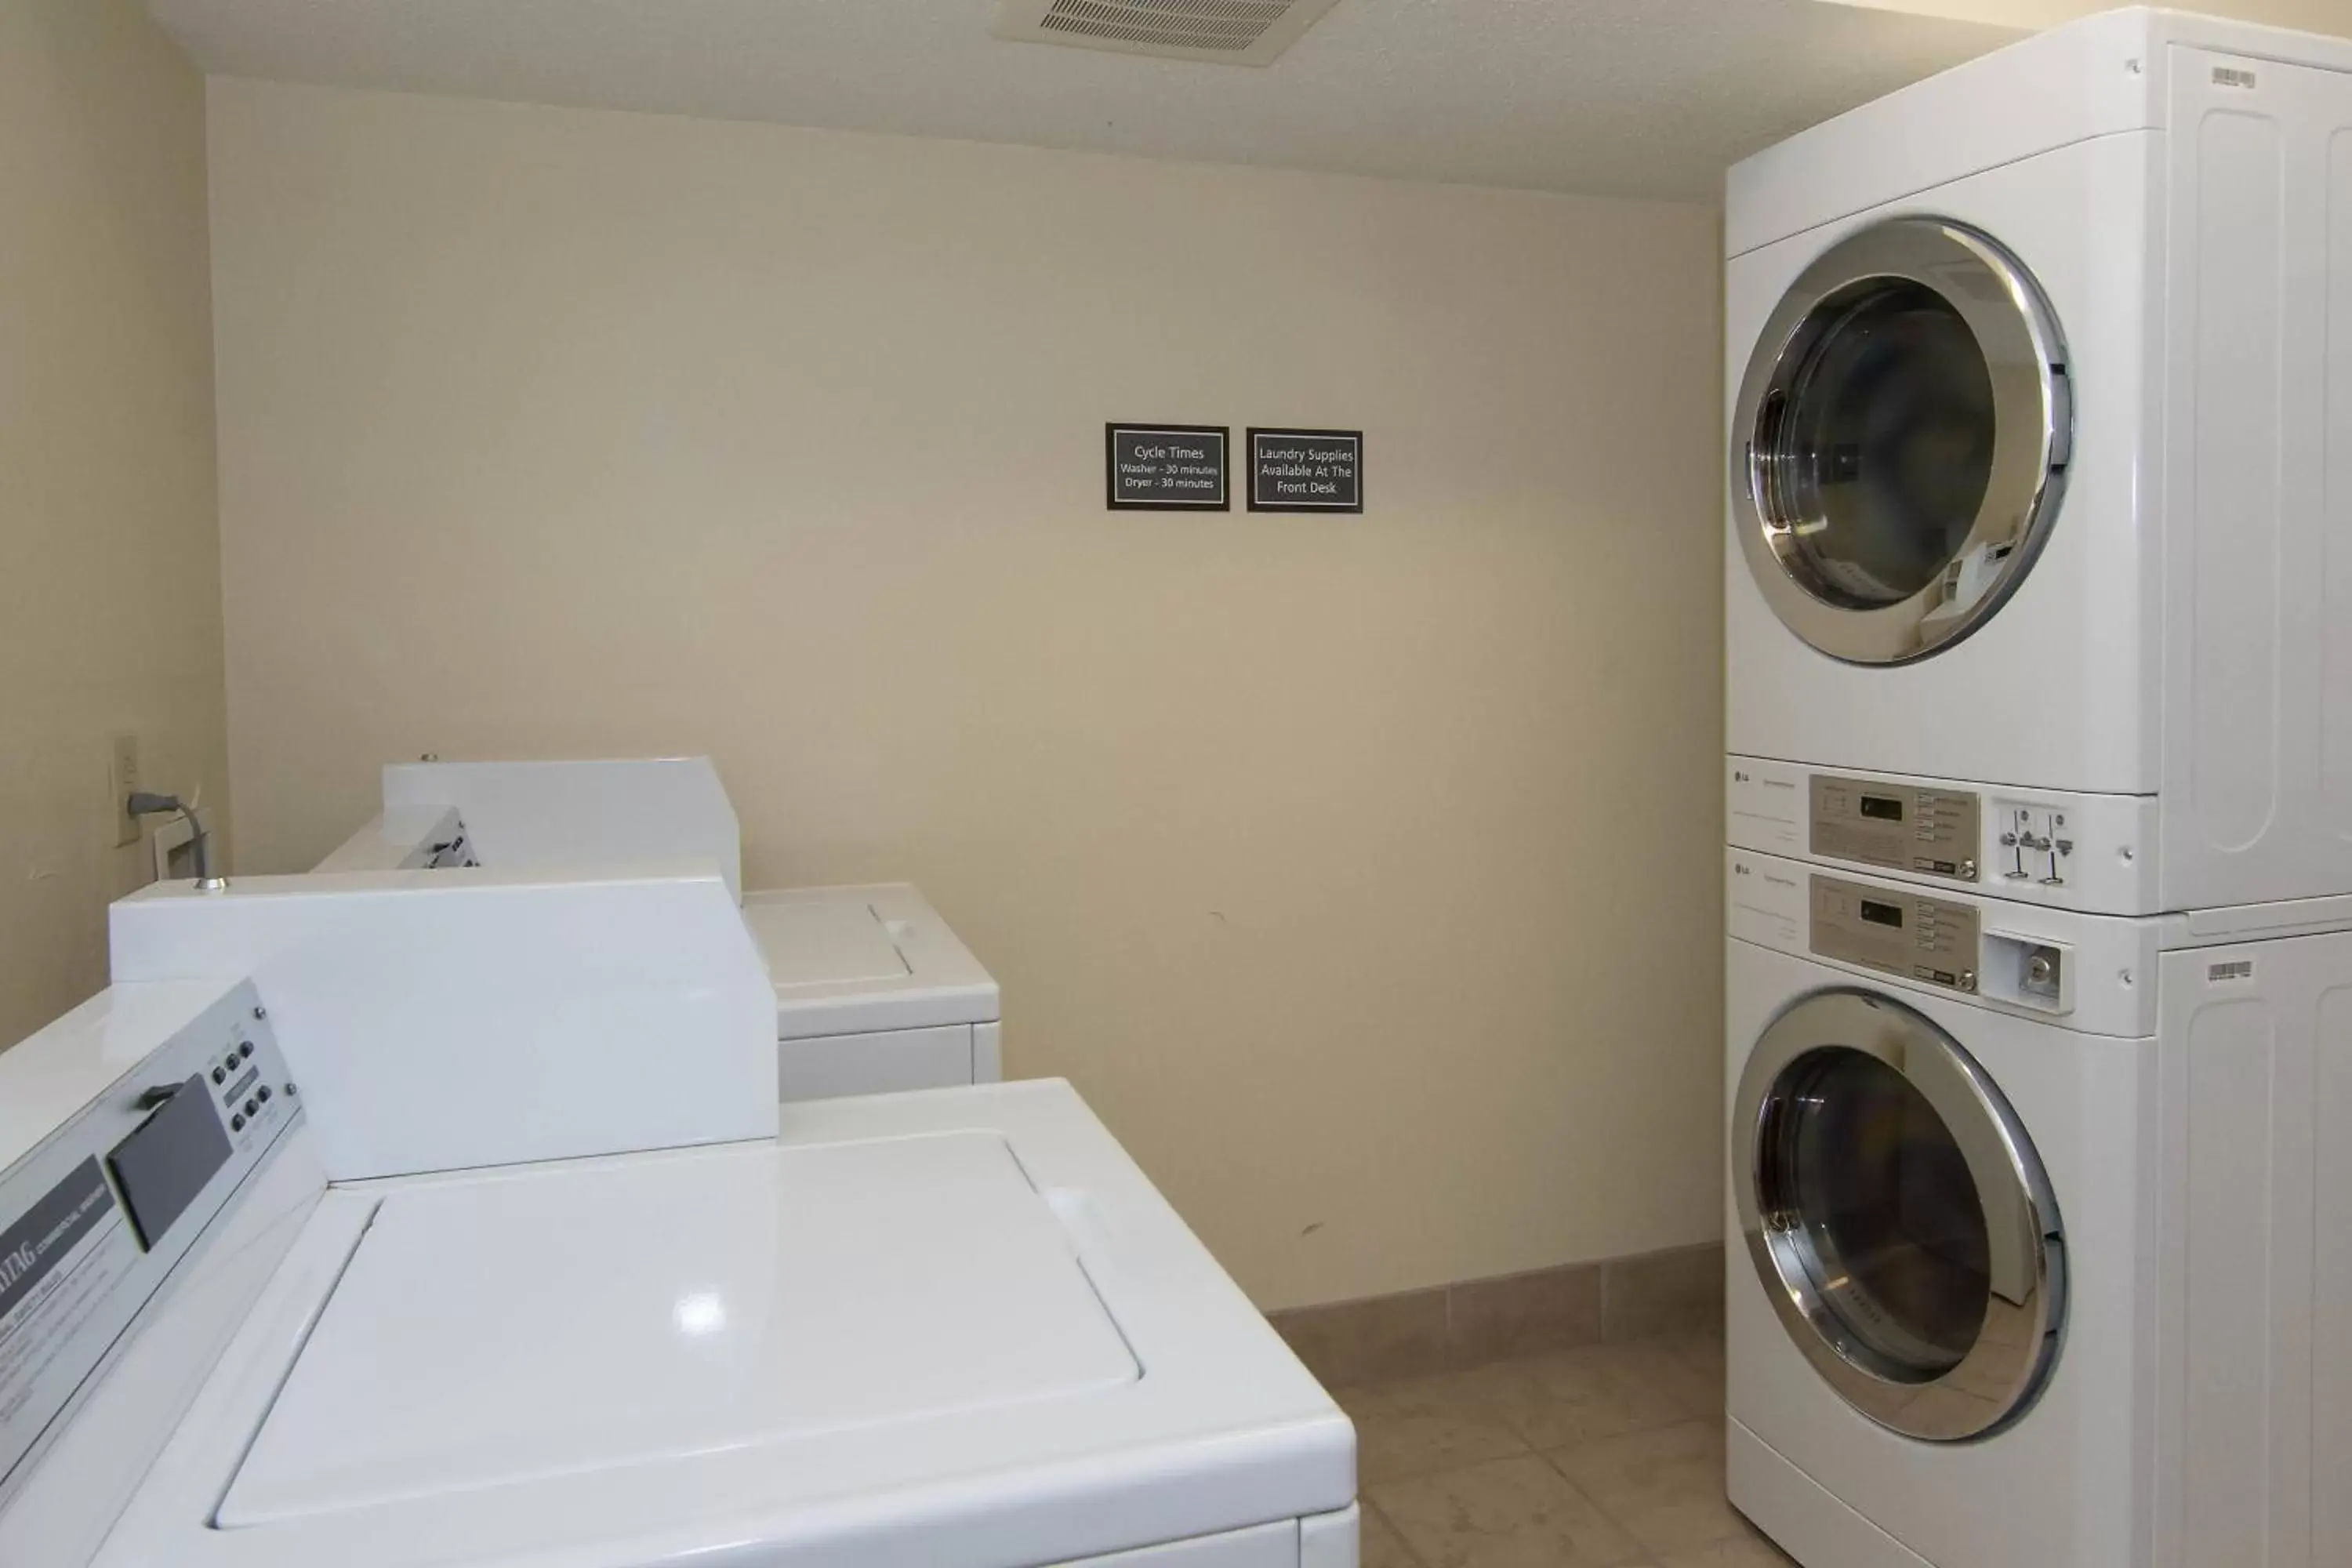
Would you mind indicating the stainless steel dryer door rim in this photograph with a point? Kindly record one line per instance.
(1826, 1306)
(2028, 400)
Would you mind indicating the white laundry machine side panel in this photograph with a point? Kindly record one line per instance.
(2056, 690)
(2257, 1292)
(884, 1062)
(1804, 1520)
(2257, 781)
(2071, 1474)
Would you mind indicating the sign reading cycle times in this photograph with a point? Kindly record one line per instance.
(1306, 470)
(1168, 468)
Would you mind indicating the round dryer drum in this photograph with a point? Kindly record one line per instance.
(1897, 1216)
(1900, 440)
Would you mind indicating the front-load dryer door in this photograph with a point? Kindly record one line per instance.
(1900, 440)
(1898, 1217)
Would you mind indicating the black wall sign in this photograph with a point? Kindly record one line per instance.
(1168, 468)
(1305, 470)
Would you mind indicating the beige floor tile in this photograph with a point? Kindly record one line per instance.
(1594, 1391)
(1379, 1546)
(1699, 1348)
(1506, 1514)
(1665, 1487)
(1424, 1424)
(1748, 1550)
(1700, 1353)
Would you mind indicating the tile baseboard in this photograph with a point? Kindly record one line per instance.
(1416, 1332)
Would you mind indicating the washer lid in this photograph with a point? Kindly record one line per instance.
(812, 942)
(848, 960)
(561, 1321)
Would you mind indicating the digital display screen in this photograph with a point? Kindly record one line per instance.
(1882, 807)
(1882, 914)
(163, 1164)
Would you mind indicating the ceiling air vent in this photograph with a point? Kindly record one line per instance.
(1235, 32)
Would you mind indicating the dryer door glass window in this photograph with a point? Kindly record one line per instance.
(1881, 1212)
(1897, 1218)
(1877, 453)
(1898, 441)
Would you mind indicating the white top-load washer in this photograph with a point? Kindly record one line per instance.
(956, 1328)
(2042, 1228)
(875, 990)
(2039, 423)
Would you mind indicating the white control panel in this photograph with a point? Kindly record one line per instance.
(2089, 852)
(95, 1215)
(2094, 971)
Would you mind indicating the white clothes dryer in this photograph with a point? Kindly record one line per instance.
(2042, 1230)
(2039, 427)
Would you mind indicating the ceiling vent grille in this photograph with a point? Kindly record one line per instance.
(1233, 32)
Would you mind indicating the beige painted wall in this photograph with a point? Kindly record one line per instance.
(109, 565)
(1363, 873)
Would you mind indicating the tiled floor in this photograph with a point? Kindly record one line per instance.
(1608, 1456)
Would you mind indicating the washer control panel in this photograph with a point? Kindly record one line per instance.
(1908, 934)
(1903, 828)
(95, 1216)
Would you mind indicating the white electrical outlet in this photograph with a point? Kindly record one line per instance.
(121, 778)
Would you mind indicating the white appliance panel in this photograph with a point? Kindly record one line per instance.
(478, 1017)
(2185, 201)
(2257, 778)
(2051, 691)
(547, 815)
(889, 1062)
(2257, 1088)
(2065, 1470)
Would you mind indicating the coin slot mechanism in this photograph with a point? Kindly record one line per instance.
(2028, 971)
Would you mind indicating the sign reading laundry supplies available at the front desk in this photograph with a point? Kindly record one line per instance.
(1168, 468)
(1306, 470)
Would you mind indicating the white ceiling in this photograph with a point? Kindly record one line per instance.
(1620, 97)
(2311, 16)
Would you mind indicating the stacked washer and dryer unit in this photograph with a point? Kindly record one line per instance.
(2039, 889)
